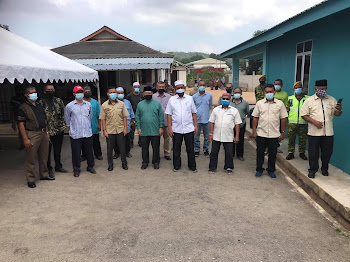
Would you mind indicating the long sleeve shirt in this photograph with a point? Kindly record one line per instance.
(149, 117)
(131, 113)
(78, 119)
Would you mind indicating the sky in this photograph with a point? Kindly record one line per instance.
(210, 26)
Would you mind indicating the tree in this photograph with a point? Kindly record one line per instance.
(6, 27)
(259, 32)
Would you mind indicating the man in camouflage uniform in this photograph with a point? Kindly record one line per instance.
(260, 89)
(54, 111)
(297, 125)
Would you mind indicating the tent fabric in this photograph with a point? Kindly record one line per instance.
(24, 60)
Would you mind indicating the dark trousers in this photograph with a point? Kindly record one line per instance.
(177, 143)
(96, 145)
(111, 141)
(132, 135)
(55, 143)
(325, 143)
(239, 147)
(127, 143)
(271, 144)
(155, 142)
(215, 148)
(77, 145)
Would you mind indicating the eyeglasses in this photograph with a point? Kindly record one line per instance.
(225, 98)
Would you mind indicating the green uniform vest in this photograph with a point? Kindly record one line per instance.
(294, 111)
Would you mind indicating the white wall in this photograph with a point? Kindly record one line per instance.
(248, 82)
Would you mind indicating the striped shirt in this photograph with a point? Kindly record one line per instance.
(78, 119)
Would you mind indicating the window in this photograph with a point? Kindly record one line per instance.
(303, 64)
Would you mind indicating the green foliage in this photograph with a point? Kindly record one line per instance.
(259, 32)
(6, 27)
(206, 76)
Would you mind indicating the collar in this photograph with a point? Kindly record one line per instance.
(29, 103)
(222, 107)
(233, 100)
(178, 97)
(163, 95)
(317, 97)
(267, 101)
(110, 103)
(76, 102)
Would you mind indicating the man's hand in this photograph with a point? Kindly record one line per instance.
(161, 131)
(195, 129)
(27, 143)
(339, 107)
(236, 139)
(282, 136)
(210, 138)
(105, 134)
(125, 132)
(254, 134)
(171, 133)
(318, 124)
(99, 127)
(139, 132)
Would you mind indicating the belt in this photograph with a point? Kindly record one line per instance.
(37, 129)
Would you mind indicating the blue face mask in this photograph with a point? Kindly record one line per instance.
(33, 97)
(277, 88)
(120, 96)
(113, 96)
(298, 91)
(201, 89)
(236, 96)
(79, 96)
(269, 96)
(136, 89)
(225, 102)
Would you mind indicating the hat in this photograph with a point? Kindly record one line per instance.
(179, 82)
(136, 84)
(147, 88)
(87, 88)
(262, 76)
(77, 88)
(297, 83)
(120, 89)
(322, 82)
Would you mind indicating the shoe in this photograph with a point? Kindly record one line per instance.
(83, 158)
(176, 169)
(47, 178)
(194, 170)
(290, 156)
(229, 171)
(51, 174)
(325, 173)
(241, 158)
(31, 184)
(110, 168)
(61, 170)
(196, 154)
(125, 166)
(272, 174)
(91, 170)
(115, 156)
(129, 155)
(303, 156)
(206, 153)
(144, 166)
(258, 174)
(76, 173)
(311, 175)
(167, 157)
(156, 166)
(99, 158)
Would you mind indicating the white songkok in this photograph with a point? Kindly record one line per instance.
(136, 84)
(120, 89)
(179, 82)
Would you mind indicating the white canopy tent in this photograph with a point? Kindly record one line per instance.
(23, 60)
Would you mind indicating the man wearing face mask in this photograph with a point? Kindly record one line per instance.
(32, 126)
(134, 97)
(243, 108)
(280, 94)
(182, 124)
(95, 124)
(260, 89)
(270, 116)
(130, 122)
(203, 101)
(169, 89)
(149, 121)
(229, 89)
(319, 110)
(163, 99)
(78, 115)
(297, 125)
(115, 126)
(54, 111)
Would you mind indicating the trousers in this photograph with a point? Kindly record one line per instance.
(111, 141)
(261, 144)
(325, 143)
(127, 144)
(177, 143)
(96, 146)
(77, 145)
(56, 142)
(293, 131)
(197, 143)
(155, 142)
(215, 148)
(166, 138)
(239, 147)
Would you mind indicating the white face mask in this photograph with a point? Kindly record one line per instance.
(180, 91)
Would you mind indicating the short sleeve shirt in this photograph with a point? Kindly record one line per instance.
(95, 114)
(114, 115)
(270, 115)
(34, 117)
(320, 109)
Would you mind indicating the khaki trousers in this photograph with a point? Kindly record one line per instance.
(40, 147)
(166, 141)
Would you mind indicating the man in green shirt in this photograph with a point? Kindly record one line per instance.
(280, 94)
(149, 123)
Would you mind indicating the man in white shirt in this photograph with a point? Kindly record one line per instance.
(223, 120)
(182, 125)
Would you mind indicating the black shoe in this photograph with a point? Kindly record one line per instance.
(91, 170)
(167, 157)
(51, 174)
(47, 178)
(290, 156)
(76, 173)
(311, 175)
(303, 156)
(139, 144)
(156, 166)
(206, 153)
(129, 155)
(61, 170)
(325, 173)
(144, 166)
(196, 154)
(31, 184)
(99, 158)
(110, 168)
(115, 156)
(125, 166)
(83, 158)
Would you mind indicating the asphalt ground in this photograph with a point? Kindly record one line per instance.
(159, 215)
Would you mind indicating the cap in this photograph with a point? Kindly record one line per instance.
(136, 84)
(297, 83)
(262, 76)
(147, 88)
(119, 89)
(78, 88)
(179, 82)
(322, 82)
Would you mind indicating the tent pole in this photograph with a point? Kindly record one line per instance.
(98, 92)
